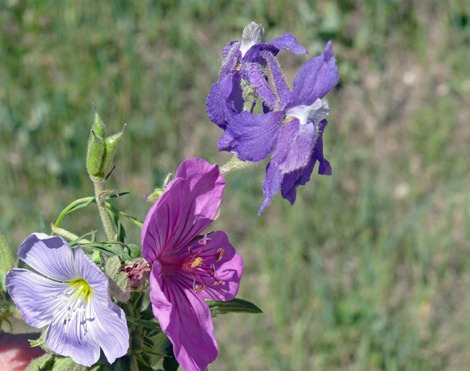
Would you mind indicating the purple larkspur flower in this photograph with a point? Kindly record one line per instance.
(226, 97)
(291, 128)
(188, 267)
(71, 296)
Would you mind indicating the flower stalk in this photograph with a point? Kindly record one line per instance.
(234, 164)
(100, 197)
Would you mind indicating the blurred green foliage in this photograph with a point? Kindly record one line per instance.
(370, 269)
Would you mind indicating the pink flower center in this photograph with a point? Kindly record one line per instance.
(202, 266)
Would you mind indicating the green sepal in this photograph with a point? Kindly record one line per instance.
(66, 364)
(157, 192)
(6, 261)
(38, 342)
(51, 362)
(134, 250)
(95, 154)
(110, 144)
(118, 280)
(232, 306)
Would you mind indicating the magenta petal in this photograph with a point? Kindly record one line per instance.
(159, 223)
(186, 319)
(188, 205)
(229, 269)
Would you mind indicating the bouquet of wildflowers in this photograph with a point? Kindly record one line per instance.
(149, 304)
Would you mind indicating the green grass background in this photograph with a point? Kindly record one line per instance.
(370, 269)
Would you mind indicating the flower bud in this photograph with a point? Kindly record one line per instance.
(98, 126)
(110, 144)
(95, 153)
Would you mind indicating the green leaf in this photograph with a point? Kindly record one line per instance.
(170, 364)
(114, 213)
(6, 261)
(43, 363)
(136, 221)
(149, 324)
(83, 202)
(108, 250)
(232, 306)
(66, 364)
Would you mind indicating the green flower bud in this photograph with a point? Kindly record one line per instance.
(98, 126)
(95, 154)
(110, 144)
(155, 195)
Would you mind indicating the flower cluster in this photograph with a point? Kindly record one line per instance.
(292, 123)
(131, 301)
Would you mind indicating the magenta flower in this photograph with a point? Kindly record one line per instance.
(72, 297)
(188, 267)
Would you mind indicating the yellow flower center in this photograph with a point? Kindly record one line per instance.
(82, 289)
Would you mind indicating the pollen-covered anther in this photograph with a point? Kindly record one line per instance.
(197, 262)
(287, 120)
(237, 68)
(198, 287)
(217, 283)
(219, 255)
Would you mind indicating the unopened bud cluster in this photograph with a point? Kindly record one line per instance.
(101, 149)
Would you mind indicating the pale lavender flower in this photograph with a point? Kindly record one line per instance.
(188, 267)
(70, 295)
(291, 127)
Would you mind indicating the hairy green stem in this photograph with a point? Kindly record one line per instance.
(100, 197)
(234, 164)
